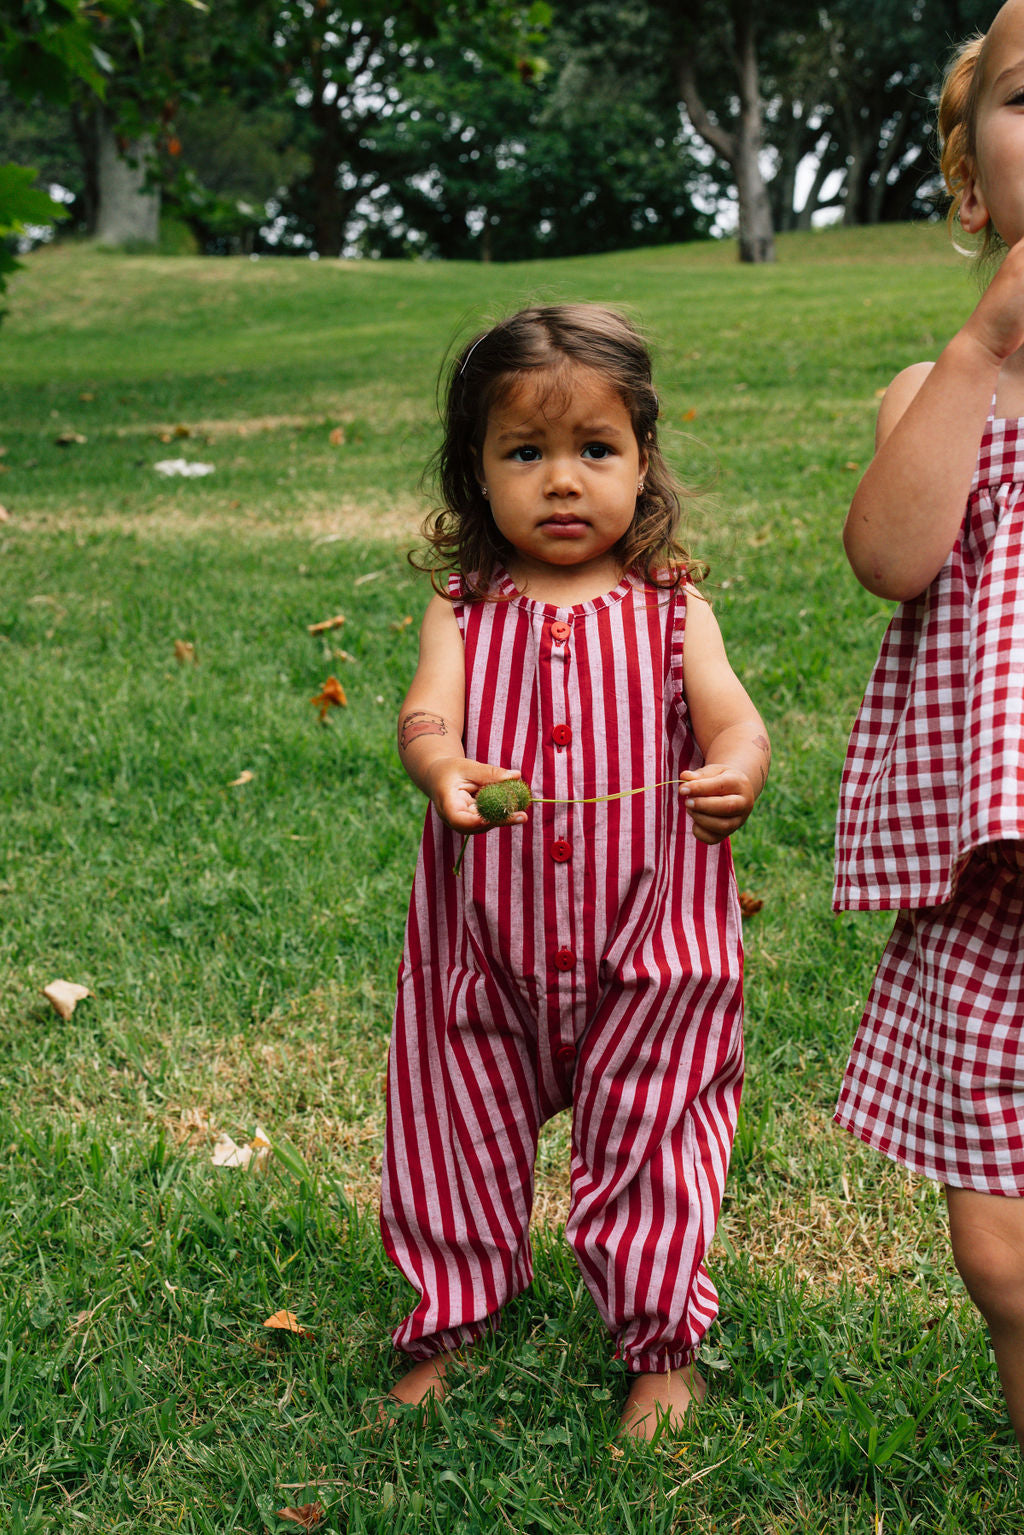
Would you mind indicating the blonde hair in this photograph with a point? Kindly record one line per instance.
(958, 119)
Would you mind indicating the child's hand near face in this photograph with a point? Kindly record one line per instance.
(718, 799)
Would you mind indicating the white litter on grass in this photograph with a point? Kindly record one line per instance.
(183, 466)
(227, 1154)
(64, 996)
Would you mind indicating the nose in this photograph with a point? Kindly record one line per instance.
(562, 478)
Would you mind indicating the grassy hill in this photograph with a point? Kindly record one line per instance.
(240, 939)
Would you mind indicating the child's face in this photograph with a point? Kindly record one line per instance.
(995, 185)
(562, 479)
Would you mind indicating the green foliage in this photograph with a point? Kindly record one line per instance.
(241, 939)
(47, 45)
(21, 202)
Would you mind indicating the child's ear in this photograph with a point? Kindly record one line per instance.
(974, 214)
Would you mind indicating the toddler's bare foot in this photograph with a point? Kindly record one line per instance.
(424, 1382)
(658, 1404)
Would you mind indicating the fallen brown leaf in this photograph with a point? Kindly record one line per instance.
(749, 904)
(69, 439)
(287, 1321)
(245, 776)
(402, 623)
(327, 623)
(185, 652)
(331, 694)
(691, 414)
(336, 437)
(307, 1515)
(64, 996)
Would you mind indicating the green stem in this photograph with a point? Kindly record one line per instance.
(598, 799)
(540, 799)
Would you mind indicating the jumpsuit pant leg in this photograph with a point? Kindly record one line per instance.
(656, 1098)
(462, 1126)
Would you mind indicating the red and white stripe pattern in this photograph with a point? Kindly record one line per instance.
(936, 1076)
(591, 959)
(935, 765)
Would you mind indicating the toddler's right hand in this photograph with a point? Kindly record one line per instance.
(997, 323)
(454, 782)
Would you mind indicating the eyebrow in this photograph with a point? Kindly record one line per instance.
(1011, 69)
(588, 429)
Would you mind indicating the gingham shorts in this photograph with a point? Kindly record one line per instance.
(936, 1076)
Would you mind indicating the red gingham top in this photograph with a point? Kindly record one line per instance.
(935, 764)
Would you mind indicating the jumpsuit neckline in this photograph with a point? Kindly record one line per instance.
(508, 589)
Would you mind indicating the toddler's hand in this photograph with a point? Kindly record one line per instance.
(454, 782)
(718, 800)
(998, 321)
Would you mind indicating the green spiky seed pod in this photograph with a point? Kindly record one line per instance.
(497, 802)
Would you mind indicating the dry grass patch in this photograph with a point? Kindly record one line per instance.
(301, 514)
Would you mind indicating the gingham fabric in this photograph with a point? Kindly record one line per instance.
(935, 765)
(590, 959)
(936, 1076)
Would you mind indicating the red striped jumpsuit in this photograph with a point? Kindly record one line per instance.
(590, 959)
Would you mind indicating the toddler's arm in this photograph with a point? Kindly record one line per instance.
(731, 734)
(431, 722)
(908, 507)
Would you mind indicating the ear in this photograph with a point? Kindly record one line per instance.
(974, 214)
(644, 462)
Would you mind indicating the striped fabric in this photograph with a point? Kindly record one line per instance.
(935, 765)
(589, 959)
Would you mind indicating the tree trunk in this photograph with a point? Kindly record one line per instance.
(757, 237)
(742, 147)
(893, 150)
(127, 209)
(805, 215)
(856, 172)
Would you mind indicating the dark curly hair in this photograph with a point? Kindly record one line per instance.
(550, 339)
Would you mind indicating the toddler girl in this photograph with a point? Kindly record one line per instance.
(931, 817)
(587, 955)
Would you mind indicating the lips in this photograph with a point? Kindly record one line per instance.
(564, 520)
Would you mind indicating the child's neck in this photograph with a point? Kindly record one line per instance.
(564, 586)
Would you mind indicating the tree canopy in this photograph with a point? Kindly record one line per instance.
(499, 129)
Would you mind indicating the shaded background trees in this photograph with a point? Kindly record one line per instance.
(488, 128)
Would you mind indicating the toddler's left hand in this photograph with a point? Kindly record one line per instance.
(718, 800)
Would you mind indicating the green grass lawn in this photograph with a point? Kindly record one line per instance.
(241, 939)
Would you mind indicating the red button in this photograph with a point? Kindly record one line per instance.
(565, 959)
(565, 1053)
(560, 632)
(561, 734)
(561, 851)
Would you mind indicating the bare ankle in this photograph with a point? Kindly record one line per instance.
(425, 1382)
(658, 1404)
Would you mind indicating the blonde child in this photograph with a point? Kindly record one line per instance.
(587, 955)
(931, 820)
